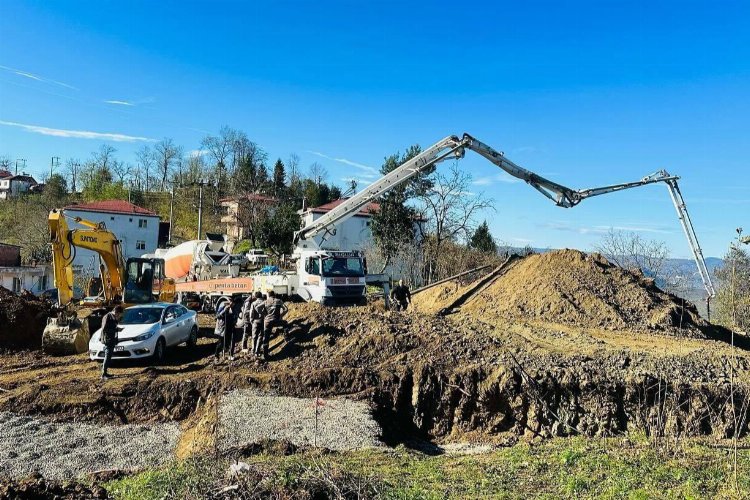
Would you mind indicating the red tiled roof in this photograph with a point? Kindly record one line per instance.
(368, 210)
(112, 207)
(5, 173)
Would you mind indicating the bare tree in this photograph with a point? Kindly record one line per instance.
(166, 152)
(145, 162)
(122, 171)
(630, 251)
(5, 162)
(292, 167)
(219, 147)
(72, 169)
(104, 158)
(318, 173)
(450, 210)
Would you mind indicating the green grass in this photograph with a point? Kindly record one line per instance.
(568, 468)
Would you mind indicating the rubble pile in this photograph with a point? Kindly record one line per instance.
(22, 319)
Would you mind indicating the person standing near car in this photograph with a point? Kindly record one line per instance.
(220, 330)
(110, 327)
(275, 312)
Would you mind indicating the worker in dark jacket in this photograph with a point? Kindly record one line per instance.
(222, 322)
(275, 312)
(246, 323)
(110, 329)
(257, 316)
(401, 296)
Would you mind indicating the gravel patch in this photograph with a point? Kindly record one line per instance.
(246, 417)
(69, 450)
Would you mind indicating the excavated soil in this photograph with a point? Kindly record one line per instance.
(570, 287)
(446, 378)
(22, 319)
(557, 344)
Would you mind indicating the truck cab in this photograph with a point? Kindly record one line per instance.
(332, 277)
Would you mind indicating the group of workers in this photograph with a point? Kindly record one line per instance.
(258, 315)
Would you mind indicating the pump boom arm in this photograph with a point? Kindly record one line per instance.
(452, 147)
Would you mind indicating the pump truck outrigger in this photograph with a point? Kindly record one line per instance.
(135, 281)
(314, 278)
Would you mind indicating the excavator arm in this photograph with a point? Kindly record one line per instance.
(96, 238)
(453, 147)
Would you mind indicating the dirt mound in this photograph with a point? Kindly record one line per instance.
(436, 298)
(574, 288)
(22, 319)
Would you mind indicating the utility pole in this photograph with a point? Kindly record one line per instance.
(54, 163)
(24, 164)
(201, 183)
(74, 167)
(171, 216)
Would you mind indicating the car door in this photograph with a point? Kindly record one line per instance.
(185, 323)
(170, 327)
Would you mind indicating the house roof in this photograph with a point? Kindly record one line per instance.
(22, 177)
(5, 173)
(112, 207)
(367, 211)
(251, 197)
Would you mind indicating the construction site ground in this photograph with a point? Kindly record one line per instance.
(553, 346)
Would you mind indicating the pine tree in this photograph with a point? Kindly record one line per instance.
(482, 239)
(393, 225)
(279, 178)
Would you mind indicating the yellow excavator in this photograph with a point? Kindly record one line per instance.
(135, 281)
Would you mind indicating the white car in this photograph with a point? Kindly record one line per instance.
(147, 330)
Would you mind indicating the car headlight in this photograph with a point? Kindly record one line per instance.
(145, 336)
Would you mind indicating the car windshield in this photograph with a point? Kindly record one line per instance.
(342, 266)
(141, 316)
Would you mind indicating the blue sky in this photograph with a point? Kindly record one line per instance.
(586, 93)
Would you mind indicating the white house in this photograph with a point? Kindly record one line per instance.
(136, 227)
(354, 233)
(15, 277)
(13, 185)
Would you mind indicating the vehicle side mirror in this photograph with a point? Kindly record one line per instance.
(169, 318)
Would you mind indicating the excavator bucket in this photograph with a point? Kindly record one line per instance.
(65, 335)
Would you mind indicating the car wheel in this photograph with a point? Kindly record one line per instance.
(193, 338)
(159, 351)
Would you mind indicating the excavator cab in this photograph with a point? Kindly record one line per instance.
(146, 282)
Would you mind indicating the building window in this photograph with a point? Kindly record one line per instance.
(111, 218)
(17, 284)
(131, 219)
(142, 222)
(140, 245)
(43, 283)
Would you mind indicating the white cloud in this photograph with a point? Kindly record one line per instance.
(120, 103)
(522, 240)
(493, 179)
(77, 134)
(32, 76)
(194, 153)
(635, 228)
(370, 172)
